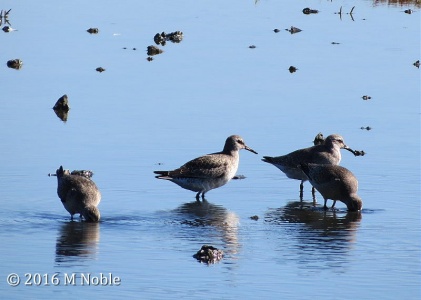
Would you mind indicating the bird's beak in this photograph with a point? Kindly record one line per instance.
(249, 149)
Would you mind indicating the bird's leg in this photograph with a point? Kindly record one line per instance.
(313, 192)
(203, 196)
(325, 206)
(301, 186)
(301, 196)
(334, 202)
(197, 196)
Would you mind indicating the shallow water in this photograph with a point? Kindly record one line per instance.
(140, 116)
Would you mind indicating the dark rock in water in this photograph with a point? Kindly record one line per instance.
(365, 97)
(162, 38)
(84, 173)
(149, 58)
(308, 11)
(417, 64)
(319, 139)
(93, 30)
(153, 50)
(62, 103)
(366, 128)
(209, 254)
(292, 69)
(276, 30)
(408, 11)
(293, 30)
(252, 46)
(254, 218)
(61, 108)
(15, 64)
(62, 115)
(335, 43)
(100, 69)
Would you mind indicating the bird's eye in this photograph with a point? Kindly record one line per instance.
(240, 141)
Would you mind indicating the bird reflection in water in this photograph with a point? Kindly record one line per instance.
(203, 214)
(320, 238)
(77, 240)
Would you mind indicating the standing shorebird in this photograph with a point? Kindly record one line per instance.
(325, 153)
(79, 194)
(210, 171)
(335, 183)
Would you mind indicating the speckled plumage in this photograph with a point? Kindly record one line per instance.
(210, 171)
(335, 183)
(78, 194)
(326, 153)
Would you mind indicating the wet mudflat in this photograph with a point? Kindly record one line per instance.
(144, 115)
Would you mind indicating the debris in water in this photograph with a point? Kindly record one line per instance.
(209, 254)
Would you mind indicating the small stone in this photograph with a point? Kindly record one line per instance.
(149, 58)
(293, 30)
(93, 30)
(365, 97)
(252, 46)
(153, 50)
(276, 30)
(62, 104)
(100, 69)
(61, 108)
(292, 69)
(254, 218)
(15, 64)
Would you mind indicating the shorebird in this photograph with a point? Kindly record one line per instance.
(79, 194)
(210, 171)
(335, 183)
(325, 153)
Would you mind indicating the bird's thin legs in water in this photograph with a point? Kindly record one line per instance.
(313, 192)
(325, 206)
(301, 190)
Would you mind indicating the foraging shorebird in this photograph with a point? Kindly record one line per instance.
(210, 171)
(335, 183)
(325, 153)
(79, 194)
